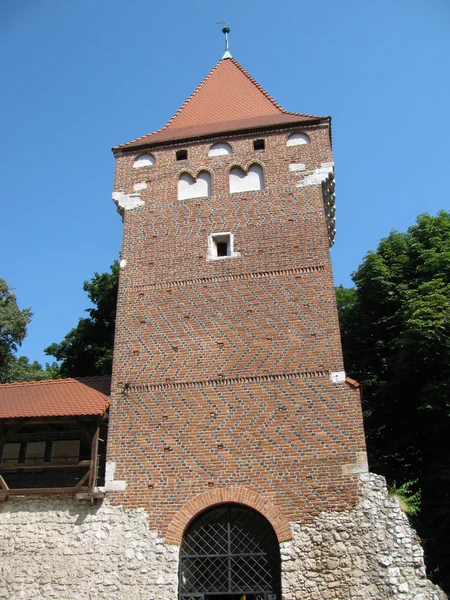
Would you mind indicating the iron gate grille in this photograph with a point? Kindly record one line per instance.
(229, 550)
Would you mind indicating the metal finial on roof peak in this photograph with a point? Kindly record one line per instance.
(226, 31)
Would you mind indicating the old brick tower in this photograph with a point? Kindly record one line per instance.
(235, 465)
(232, 421)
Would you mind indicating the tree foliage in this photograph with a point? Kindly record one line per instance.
(13, 329)
(395, 329)
(13, 323)
(87, 349)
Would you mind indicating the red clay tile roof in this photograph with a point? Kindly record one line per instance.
(228, 99)
(55, 398)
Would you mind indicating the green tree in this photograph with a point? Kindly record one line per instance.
(20, 369)
(13, 323)
(396, 337)
(13, 329)
(87, 349)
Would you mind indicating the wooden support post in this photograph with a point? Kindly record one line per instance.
(94, 459)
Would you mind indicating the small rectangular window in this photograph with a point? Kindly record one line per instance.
(222, 245)
(66, 451)
(222, 248)
(259, 145)
(181, 154)
(10, 455)
(35, 452)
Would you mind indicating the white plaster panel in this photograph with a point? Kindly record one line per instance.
(337, 376)
(142, 185)
(145, 160)
(221, 149)
(188, 187)
(298, 139)
(297, 167)
(240, 181)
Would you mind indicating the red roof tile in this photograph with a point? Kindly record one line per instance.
(55, 398)
(228, 99)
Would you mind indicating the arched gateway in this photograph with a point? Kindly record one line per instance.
(230, 552)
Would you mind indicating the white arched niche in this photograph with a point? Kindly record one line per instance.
(221, 149)
(298, 139)
(188, 187)
(144, 160)
(240, 181)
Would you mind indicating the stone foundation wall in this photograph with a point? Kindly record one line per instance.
(59, 548)
(370, 553)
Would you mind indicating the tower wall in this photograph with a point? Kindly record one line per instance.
(222, 372)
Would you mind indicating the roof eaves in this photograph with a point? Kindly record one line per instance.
(220, 133)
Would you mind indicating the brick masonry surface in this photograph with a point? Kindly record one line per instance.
(222, 368)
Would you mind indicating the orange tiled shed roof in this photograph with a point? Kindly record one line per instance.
(228, 99)
(55, 398)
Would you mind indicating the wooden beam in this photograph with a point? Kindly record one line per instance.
(10, 432)
(90, 495)
(45, 465)
(83, 480)
(38, 491)
(3, 484)
(94, 460)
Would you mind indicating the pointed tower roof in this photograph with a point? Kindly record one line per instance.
(227, 100)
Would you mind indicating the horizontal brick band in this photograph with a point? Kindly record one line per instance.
(221, 381)
(233, 277)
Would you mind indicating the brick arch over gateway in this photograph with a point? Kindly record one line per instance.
(238, 495)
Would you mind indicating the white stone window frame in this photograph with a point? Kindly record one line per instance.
(221, 236)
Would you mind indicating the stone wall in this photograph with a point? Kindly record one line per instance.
(370, 553)
(59, 548)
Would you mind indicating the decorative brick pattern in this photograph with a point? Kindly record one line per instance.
(222, 368)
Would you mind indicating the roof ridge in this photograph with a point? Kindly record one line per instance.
(194, 93)
(177, 112)
(53, 381)
(259, 86)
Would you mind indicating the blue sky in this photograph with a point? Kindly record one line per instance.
(80, 77)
